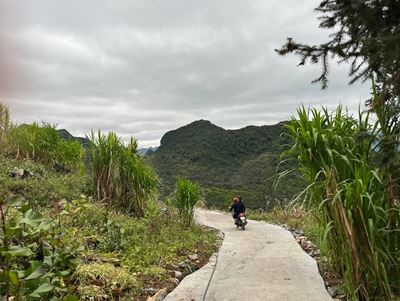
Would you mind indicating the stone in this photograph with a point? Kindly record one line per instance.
(159, 296)
(332, 291)
(178, 274)
(183, 264)
(150, 290)
(193, 257)
(20, 173)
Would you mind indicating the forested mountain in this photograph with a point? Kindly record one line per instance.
(225, 162)
(64, 134)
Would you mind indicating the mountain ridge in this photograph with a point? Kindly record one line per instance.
(224, 161)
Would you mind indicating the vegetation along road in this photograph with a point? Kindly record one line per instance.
(262, 263)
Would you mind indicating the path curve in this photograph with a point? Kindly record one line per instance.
(262, 263)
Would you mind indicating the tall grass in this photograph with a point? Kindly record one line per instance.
(335, 154)
(187, 195)
(119, 175)
(5, 125)
(38, 142)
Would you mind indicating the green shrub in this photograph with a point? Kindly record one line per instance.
(34, 261)
(187, 195)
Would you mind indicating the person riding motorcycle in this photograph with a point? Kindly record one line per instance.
(238, 207)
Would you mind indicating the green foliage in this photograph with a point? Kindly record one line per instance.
(296, 217)
(37, 142)
(119, 174)
(334, 153)
(70, 154)
(5, 125)
(187, 195)
(34, 261)
(240, 161)
(367, 34)
(34, 142)
(124, 254)
(45, 188)
(111, 277)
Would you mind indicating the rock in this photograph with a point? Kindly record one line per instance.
(178, 274)
(20, 173)
(332, 291)
(159, 296)
(193, 257)
(183, 264)
(150, 290)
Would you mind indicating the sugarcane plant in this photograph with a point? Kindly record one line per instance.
(350, 196)
(187, 195)
(119, 175)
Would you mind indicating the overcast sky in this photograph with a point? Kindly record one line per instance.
(144, 67)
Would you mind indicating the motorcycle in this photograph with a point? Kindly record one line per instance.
(241, 221)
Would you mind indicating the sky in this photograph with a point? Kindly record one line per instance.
(141, 68)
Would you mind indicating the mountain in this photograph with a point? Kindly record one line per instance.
(146, 151)
(64, 134)
(224, 162)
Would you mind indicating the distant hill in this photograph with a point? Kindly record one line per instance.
(146, 151)
(64, 134)
(224, 162)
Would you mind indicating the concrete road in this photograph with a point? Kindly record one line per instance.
(262, 263)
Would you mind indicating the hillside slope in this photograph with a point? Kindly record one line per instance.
(225, 162)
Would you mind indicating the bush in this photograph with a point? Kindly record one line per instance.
(187, 195)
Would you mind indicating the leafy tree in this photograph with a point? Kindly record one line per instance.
(368, 37)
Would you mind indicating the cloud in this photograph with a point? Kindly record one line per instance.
(145, 67)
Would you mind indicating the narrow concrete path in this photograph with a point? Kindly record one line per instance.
(260, 264)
